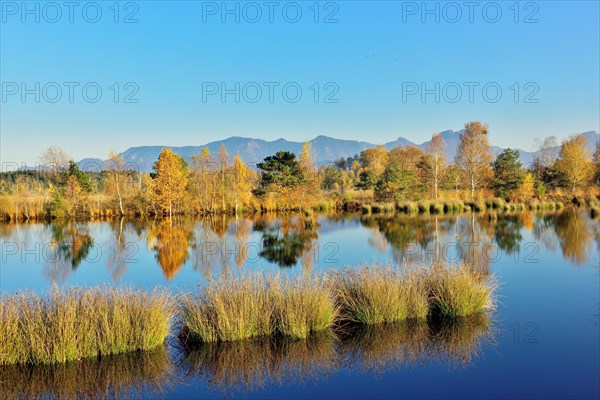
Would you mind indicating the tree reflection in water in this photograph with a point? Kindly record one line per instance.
(170, 239)
(287, 239)
(222, 244)
(69, 245)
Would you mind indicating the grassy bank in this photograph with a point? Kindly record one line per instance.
(244, 308)
(78, 323)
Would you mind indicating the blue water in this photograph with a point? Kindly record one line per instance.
(541, 342)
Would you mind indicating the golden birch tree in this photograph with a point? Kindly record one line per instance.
(574, 162)
(171, 179)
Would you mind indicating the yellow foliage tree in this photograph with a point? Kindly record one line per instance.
(310, 174)
(525, 191)
(242, 183)
(574, 162)
(171, 179)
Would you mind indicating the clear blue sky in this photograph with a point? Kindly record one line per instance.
(371, 55)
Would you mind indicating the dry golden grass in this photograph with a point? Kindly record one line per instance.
(458, 291)
(375, 294)
(228, 310)
(236, 309)
(301, 306)
(249, 307)
(82, 323)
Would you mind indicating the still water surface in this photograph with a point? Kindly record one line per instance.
(542, 342)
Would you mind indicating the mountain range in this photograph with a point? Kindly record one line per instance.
(325, 149)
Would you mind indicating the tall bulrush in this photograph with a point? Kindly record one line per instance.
(377, 294)
(78, 323)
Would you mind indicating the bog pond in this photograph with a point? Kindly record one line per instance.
(541, 341)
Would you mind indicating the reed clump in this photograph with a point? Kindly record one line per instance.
(458, 292)
(227, 310)
(249, 307)
(77, 323)
(437, 207)
(376, 294)
(408, 207)
(454, 205)
(383, 208)
(301, 306)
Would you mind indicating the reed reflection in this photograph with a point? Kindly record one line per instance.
(253, 365)
(139, 375)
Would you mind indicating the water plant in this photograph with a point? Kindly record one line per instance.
(77, 323)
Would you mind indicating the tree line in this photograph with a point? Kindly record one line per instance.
(219, 183)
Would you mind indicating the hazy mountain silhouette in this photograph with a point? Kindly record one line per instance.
(325, 149)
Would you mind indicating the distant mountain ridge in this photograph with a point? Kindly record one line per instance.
(325, 149)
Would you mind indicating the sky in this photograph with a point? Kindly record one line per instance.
(91, 77)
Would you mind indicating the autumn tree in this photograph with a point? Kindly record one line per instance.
(243, 179)
(115, 166)
(54, 160)
(545, 154)
(400, 178)
(373, 163)
(596, 161)
(223, 167)
(574, 162)
(436, 160)
(474, 155)
(203, 183)
(171, 175)
(309, 185)
(525, 190)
